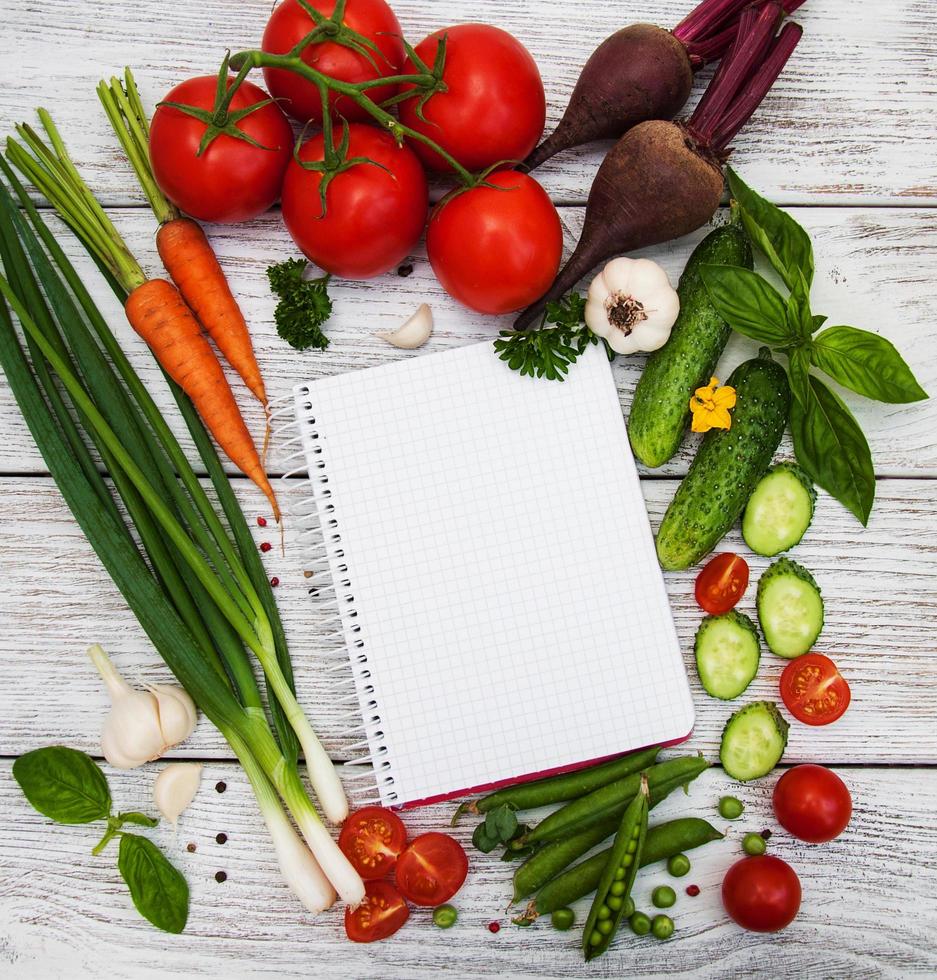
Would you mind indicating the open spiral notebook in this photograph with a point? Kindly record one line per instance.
(494, 570)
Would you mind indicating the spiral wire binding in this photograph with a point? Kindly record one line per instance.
(316, 532)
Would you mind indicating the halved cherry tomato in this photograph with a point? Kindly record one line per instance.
(431, 870)
(721, 584)
(813, 689)
(380, 915)
(372, 838)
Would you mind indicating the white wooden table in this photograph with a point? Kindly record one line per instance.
(847, 141)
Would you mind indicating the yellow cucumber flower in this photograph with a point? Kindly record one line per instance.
(710, 406)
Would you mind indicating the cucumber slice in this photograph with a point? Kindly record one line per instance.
(790, 608)
(727, 654)
(779, 511)
(753, 741)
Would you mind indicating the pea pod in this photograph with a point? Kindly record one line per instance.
(662, 841)
(609, 800)
(618, 876)
(559, 789)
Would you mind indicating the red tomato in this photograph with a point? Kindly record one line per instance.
(371, 839)
(380, 915)
(721, 584)
(493, 108)
(289, 24)
(813, 689)
(496, 251)
(431, 870)
(812, 803)
(231, 180)
(374, 214)
(761, 893)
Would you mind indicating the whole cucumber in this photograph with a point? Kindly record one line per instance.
(728, 465)
(660, 411)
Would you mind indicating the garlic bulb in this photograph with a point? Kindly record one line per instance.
(175, 788)
(141, 725)
(412, 333)
(632, 305)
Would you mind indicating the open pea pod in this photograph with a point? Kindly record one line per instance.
(618, 877)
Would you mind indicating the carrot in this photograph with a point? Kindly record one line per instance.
(159, 314)
(193, 266)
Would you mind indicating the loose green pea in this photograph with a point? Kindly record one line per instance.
(640, 923)
(662, 926)
(678, 865)
(445, 916)
(617, 888)
(730, 808)
(663, 897)
(605, 911)
(605, 927)
(563, 919)
(754, 844)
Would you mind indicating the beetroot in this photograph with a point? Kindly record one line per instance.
(663, 180)
(642, 72)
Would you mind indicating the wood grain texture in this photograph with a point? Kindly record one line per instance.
(869, 908)
(874, 270)
(880, 587)
(849, 121)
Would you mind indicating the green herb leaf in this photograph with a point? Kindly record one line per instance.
(158, 890)
(799, 317)
(750, 305)
(304, 304)
(63, 784)
(774, 232)
(832, 449)
(484, 841)
(799, 375)
(867, 364)
(501, 823)
(139, 819)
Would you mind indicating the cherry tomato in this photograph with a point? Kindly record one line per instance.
(813, 689)
(721, 584)
(812, 803)
(380, 915)
(431, 870)
(371, 839)
(372, 19)
(761, 893)
(493, 108)
(232, 180)
(375, 212)
(496, 250)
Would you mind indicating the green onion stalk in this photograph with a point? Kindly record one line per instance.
(196, 599)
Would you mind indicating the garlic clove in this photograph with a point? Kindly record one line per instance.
(177, 714)
(412, 333)
(175, 788)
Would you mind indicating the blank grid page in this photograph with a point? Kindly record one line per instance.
(511, 610)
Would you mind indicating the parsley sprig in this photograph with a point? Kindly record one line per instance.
(304, 304)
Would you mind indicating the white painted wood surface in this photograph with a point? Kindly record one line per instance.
(848, 137)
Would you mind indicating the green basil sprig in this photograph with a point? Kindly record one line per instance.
(69, 787)
(828, 441)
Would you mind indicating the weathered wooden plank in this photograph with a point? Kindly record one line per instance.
(880, 587)
(849, 121)
(874, 270)
(868, 906)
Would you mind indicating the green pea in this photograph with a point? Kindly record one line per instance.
(640, 923)
(678, 865)
(595, 938)
(445, 916)
(632, 846)
(627, 861)
(754, 844)
(563, 919)
(663, 897)
(629, 907)
(662, 926)
(619, 874)
(605, 927)
(614, 902)
(617, 888)
(731, 808)
(605, 911)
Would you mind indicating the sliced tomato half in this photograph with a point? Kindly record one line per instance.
(721, 584)
(813, 689)
(431, 870)
(380, 915)
(372, 838)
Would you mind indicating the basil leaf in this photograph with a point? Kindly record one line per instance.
(867, 364)
(832, 449)
(817, 322)
(158, 890)
(63, 784)
(799, 317)
(799, 375)
(750, 305)
(140, 819)
(774, 232)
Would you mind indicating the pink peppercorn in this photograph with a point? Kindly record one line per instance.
(494, 926)
(692, 890)
(261, 521)
(266, 546)
(274, 581)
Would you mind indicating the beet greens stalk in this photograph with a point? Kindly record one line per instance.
(643, 72)
(663, 180)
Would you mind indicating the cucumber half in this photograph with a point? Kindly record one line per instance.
(753, 741)
(727, 654)
(779, 510)
(790, 608)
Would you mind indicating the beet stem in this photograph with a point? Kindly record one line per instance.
(745, 104)
(710, 47)
(707, 18)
